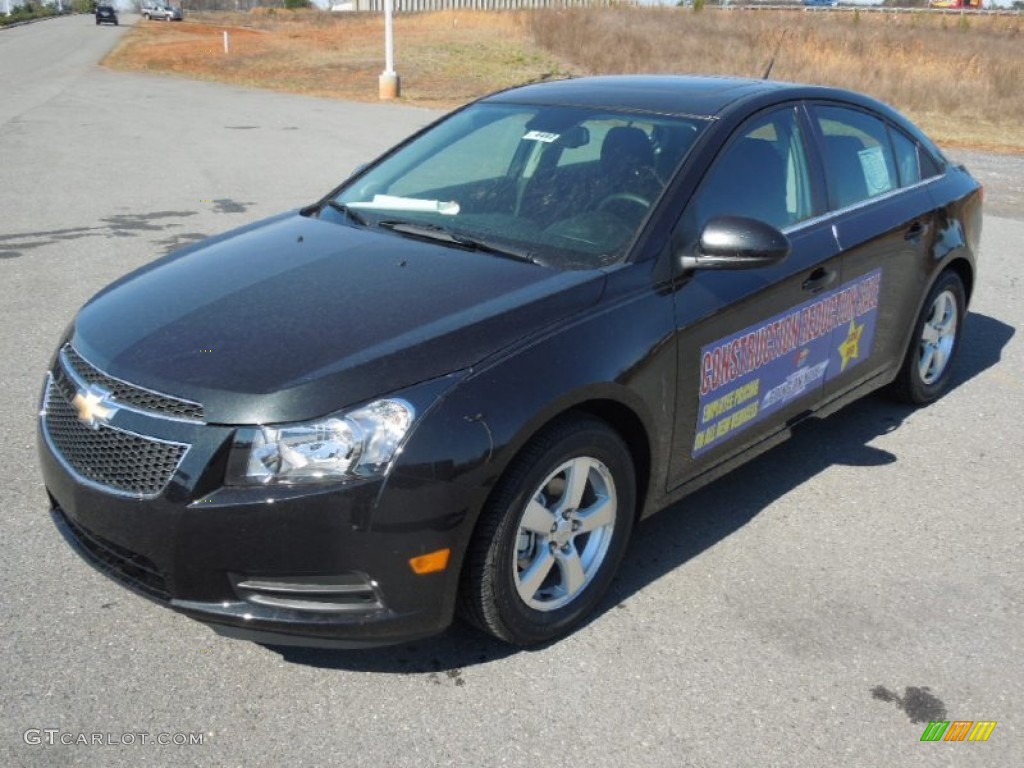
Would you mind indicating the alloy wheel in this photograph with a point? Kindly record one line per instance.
(564, 533)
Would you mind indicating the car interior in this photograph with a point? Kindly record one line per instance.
(579, 188)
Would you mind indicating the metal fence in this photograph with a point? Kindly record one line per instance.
(796, 6)
(410, 6)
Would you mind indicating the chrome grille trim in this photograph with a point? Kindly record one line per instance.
(343, 593)
(109, 459)
(129, 396)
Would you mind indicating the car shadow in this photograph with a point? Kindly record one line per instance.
(681, 532)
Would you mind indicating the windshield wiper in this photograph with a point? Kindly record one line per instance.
(440, 234)
(355, 216)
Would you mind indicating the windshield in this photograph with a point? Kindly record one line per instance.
(569, 186)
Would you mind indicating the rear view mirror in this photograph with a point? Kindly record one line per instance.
(577, 136)
(736, 242)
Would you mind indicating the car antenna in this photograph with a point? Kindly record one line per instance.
(774, 55)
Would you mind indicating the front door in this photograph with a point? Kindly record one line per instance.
(754, 345)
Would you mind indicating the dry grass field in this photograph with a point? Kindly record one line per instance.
(444, 59)
(961, 78)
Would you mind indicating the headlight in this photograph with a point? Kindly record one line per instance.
(359, 443)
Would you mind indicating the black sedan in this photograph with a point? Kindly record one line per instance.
(106, 14)
(454, 384)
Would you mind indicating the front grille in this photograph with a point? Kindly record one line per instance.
(127, 394)
(131, 569)
(106, 456)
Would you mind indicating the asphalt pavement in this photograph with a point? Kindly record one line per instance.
(816, 608)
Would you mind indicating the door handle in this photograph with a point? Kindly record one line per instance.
(820, 279)
(915, 232)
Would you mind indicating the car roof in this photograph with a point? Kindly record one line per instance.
(701, 96)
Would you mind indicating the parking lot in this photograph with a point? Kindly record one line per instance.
(816, 608)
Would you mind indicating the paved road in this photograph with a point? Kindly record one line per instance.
(816, 608)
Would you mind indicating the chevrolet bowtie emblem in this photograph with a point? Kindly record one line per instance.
(93, 407)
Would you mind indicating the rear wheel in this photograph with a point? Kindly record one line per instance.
(552, 535)
(928, 366)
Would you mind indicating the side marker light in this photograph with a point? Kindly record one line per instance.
(430, 562)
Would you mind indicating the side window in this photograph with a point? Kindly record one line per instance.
(913, 160)
(929, 165)
(858, 158)
(907, 159)
(761, 174)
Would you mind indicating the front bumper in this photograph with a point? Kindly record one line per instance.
(307, 566)
(359, 620)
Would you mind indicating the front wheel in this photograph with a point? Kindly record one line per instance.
(552, 536)
(928, 366)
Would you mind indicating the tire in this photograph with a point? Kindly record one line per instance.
(542, 555)
(928, 366)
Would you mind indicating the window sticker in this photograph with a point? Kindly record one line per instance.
(542, 136)
(876, 173)
(748, 376)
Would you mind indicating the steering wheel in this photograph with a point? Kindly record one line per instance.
(626, 197)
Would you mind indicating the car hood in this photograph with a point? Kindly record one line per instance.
(292, 318)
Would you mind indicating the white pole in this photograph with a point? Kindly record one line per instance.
(388, 84)
(227, 45)
(389, 38)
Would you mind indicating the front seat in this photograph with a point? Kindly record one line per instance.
(627, 163)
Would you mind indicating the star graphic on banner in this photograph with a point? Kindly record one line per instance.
(850, 348)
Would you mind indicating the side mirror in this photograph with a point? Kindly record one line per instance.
(736, 242)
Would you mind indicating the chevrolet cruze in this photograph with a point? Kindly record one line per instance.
(455, 383)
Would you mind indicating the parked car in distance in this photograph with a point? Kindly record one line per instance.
(106, 14)
(822, 3)
(456, 382)
(155, 9)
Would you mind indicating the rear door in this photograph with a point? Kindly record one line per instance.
(884, 224)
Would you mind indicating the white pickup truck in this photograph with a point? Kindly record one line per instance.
(155, 9)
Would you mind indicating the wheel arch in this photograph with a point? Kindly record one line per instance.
(617, 416)
(620, 417)
(959, 265)
(628, 425)
(963, 269)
